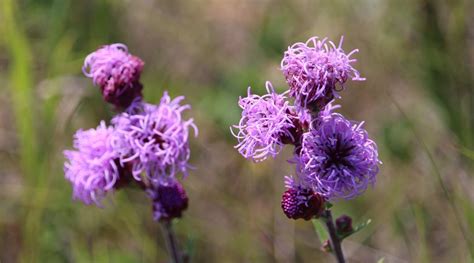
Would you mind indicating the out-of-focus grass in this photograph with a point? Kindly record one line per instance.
(419, 52)
(21, 90)
(21, 85)
(442, 185)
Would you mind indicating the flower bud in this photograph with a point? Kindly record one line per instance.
(344, 224)
(116, 72)
(301, 202)
(169, 200)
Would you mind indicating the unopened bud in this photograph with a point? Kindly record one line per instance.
(344, 224)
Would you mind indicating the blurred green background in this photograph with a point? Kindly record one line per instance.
(418, 104)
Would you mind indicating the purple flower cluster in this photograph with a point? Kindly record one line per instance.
(266, 124)
(337, 157)
(144, 139)
(154, 138)
(314, 69)
(334, 157)
(92, 167)
(116, 72)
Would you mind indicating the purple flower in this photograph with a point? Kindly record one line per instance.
(267, 123)
(299, 201)
(154, 138)
(92, 168)
(116, 72)
(313, 69)
(169, 200)
(337, 157)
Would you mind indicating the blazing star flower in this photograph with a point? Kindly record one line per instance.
(116, 72)
(154, 138)
(313, 69)
(92, 168)
(169, 200)
(300, 201)
(337, 157)
(267, 123)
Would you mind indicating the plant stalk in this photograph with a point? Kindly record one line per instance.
(333, 238)
(171, 241)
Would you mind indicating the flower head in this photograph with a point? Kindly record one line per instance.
(169, 200)
(337, 157)
(299, 201)
(154, 138)
(267, 123)
(313, 69)
(116, 72)
(91, 167)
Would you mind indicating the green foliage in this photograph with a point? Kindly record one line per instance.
(320, 230)
(397, 138)
(468, 153)
(356, 229)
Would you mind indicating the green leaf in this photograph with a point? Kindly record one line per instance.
(362, 225)
(320, 230)
(358, 228)
(467, 152)
(381, 260)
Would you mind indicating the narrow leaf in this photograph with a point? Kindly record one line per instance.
(320, 230)
(362, 225)
(358, 228)
(467, 152)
